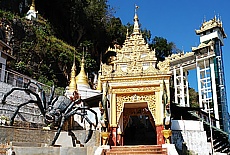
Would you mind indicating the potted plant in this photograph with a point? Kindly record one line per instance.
(4, 119)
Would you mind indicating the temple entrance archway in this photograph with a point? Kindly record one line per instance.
(139, 127)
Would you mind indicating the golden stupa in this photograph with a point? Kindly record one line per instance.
(73, 84)
(82, 78)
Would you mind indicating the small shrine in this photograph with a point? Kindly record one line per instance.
(32, 13)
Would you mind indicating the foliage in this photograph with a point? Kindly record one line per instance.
(78, 21)
(39, 54)
(193, 98)
(146, 34)
(45, 81)
(3, 117)
(162, 46)
(45, 47)
(116, 31)
(21, 66)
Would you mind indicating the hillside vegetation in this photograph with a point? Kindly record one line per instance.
(45, 47)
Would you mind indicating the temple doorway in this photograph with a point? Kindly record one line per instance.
(140, 128)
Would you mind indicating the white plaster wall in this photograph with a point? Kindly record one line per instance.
(190, 133)
(187, 125)
(86, 92)
(211, 36)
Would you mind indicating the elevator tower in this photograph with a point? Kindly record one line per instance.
(210, 73)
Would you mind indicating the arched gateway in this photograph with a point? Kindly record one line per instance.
(133, 87)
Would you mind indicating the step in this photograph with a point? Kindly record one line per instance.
(138, 146)
(135, 153)
(152, 148)
(137, 150)
(25, 144)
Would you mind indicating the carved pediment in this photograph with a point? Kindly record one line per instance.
(106, 69)
(164, 65)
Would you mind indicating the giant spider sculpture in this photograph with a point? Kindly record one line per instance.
(56, 110)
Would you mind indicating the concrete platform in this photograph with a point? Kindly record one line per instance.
(48, 151)
(24, 148)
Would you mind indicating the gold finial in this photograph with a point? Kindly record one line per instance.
(214, 18)
(81, 77)
(136, 28)
(127, 33)
(73, 84)
(32, 7)
(135, 16)
(136, 7)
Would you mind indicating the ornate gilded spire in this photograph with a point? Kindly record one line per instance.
(32, 7)
(81, 77)
(73, 84)
(136, 28)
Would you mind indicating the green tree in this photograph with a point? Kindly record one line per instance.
(163, 47)
(193, 98)
(78, 21)
(116, 31)
(39, 54)
(46, 46)
(72, 21)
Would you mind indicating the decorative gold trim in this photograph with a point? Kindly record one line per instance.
(150, 99)
(135, 90)
(150, 79)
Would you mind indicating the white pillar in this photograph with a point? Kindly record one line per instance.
(175, 85)
(214, 94)
(199, 84)
(182, 100)
(187, 90)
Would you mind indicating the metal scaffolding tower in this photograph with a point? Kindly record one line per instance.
(181, 86)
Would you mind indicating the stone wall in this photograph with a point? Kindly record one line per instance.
(52, 151)
(9, 134)
(28, 113)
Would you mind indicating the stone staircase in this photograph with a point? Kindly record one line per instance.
(137, 150)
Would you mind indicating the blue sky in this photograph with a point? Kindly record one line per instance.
(176, 20)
